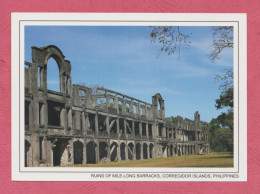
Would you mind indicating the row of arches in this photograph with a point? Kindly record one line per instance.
(181, 149)
(113, 152)
(94, 152)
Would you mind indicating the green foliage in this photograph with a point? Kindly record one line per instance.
(226, 120)
(221, 128)
(225, 99)
(171, 119)
(222, 139)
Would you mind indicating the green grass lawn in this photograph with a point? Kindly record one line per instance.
(214, 159)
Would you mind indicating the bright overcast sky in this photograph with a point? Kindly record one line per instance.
(124, 59)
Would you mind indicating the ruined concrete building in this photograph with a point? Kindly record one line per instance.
(83, 127)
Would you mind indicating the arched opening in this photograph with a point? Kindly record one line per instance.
(59, 154)
(138, 151)
(26, 153)
(91, 153)
(113, 152)
(122, 151)
(171, 150)
(53, 75)
(102, 151)
(130, 151)
(145, 153)
(159, 109)
(78, 152)
(179, 150)
(151, 147)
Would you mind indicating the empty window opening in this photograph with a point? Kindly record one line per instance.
(101, 101)
(159, 110)
(171, 151)
(150, 131)
(54, 113)
(53, 75)
(122, 151)
(113, 152)
(41, 148)
(130, 151)
(66, 85)
(82, 93)
(91, 118)
(137, 128)
(138, 151)
(145, 153)
(60, 152)
(127, 107)
(82, 96)
(82, 101)
(102, 151)
(113, 125)
(160, 128)
(39, 77)
(102, 122)
(112, 103)
(91, 153)
(141, 111)
(151, 150)
(26, 66)
(143, 129)
(134, 109)
(129, 127)
(121, 126)
(120, 106)
(78, 152)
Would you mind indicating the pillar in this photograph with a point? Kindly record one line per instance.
(96, 123)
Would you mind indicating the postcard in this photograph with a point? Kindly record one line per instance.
(129, 97)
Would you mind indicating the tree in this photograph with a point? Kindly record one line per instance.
(222, 38)
(172, 39)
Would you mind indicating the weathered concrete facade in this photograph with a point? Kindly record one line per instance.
(66, 127)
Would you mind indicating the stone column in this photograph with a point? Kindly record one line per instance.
(96, 124)
(107, 100)
(142, 152)
(84, 128)
(84, 153)
(126, 151)
(140, 129)
(107, 124)
(133, 128)
(108, 150)
(118, 151)
(49, 154)
(117, 126)
(97, 151)
(147, 133)
(134, 152)
(125, 128)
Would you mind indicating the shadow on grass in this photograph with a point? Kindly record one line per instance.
(218, 157)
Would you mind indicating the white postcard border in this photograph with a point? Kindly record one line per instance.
(237, 173)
